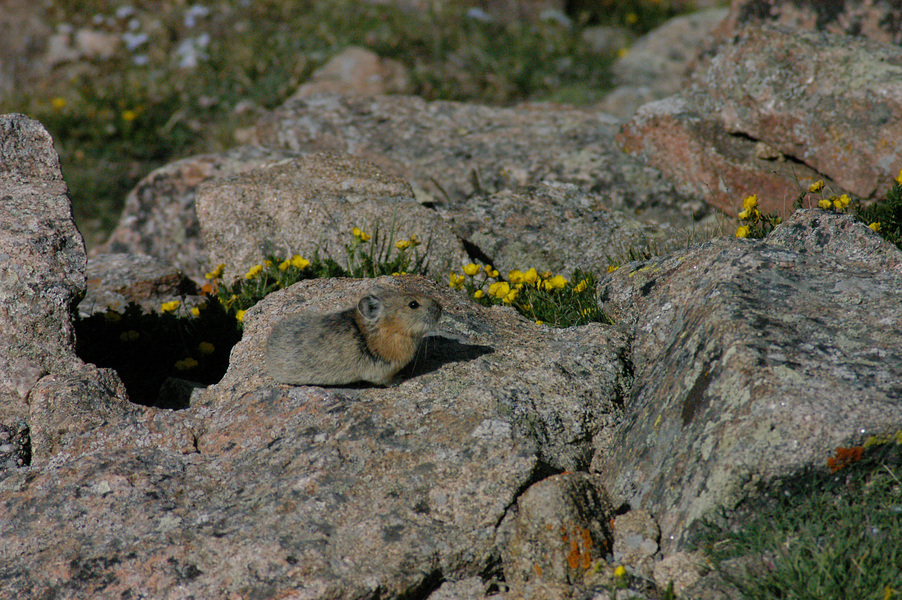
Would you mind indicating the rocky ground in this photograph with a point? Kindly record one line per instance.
(512, 459)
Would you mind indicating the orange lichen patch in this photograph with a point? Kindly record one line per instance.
(844, 457)
(580, 542)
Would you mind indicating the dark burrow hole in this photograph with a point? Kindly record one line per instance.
(159, 357)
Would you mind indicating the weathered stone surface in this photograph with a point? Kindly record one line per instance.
(356, 71)
(557, 533)
(115, 280)
(829, 102)
(752, 359)
(562, 386)
(307, 492)
(450, 151)
(636, 537)
(683, 570)
(159, 218)
(42, 261)
(553, 226)
(658, 64)
(879, 20)
(310, 204)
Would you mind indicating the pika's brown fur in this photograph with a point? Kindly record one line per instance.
(371, 342)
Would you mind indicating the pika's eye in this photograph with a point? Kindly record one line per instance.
(414, 304)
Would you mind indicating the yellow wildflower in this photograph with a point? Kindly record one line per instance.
(129, 336)
(195, 312)
(750, 202)
(168, 307)
(283, 266)
(255, 270)
(838, 205)
(824, 203)
(129, 115)
(845, 200)
(59, 103)
(298, 262)
(612, 268)
(455, 280)
(186, 364)
(555, 283)
(899, 178)
(744, 215)
(581, 286)
(490, 271)
(511, 296)
(631, 18)
(471, 269)
(531, 276)
(620, 571)
(742, 231)
(499, 289)
(875, 226)
(216, 273)
(516, 277)
(240, 316)
(360, 235)
(402, 244)
(206, 348)
(478, 294)
(414, 240)
(816, 186)
(540, 322)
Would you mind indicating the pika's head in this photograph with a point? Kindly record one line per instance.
(408, 314)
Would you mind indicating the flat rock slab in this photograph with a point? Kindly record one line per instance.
(309, 206)
(449, 151)
(831, 104)
(753, 359)
(159, 218)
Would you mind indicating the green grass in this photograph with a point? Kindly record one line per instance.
(820, 535)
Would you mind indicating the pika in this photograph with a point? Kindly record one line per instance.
(370, 342)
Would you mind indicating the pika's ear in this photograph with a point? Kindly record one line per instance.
(371, 308)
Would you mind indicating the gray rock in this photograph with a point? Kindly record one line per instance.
(356, 71)
(115, 280)
(554, 227)
(159, 218)
(752, 359)
(875, 19)
(797, 92)
(449, 151)
(658, 64)
(309, 205)
(636, 537)
(263, 490)
(556, 535)
(42, 262)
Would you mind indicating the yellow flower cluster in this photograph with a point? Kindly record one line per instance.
(186, 364)
(296, 261)
(360, 235)
(253, 272)
(168, 307)
(754, 223)
(413, 242)
(215, 273)
(750, 208)
(503, 291)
